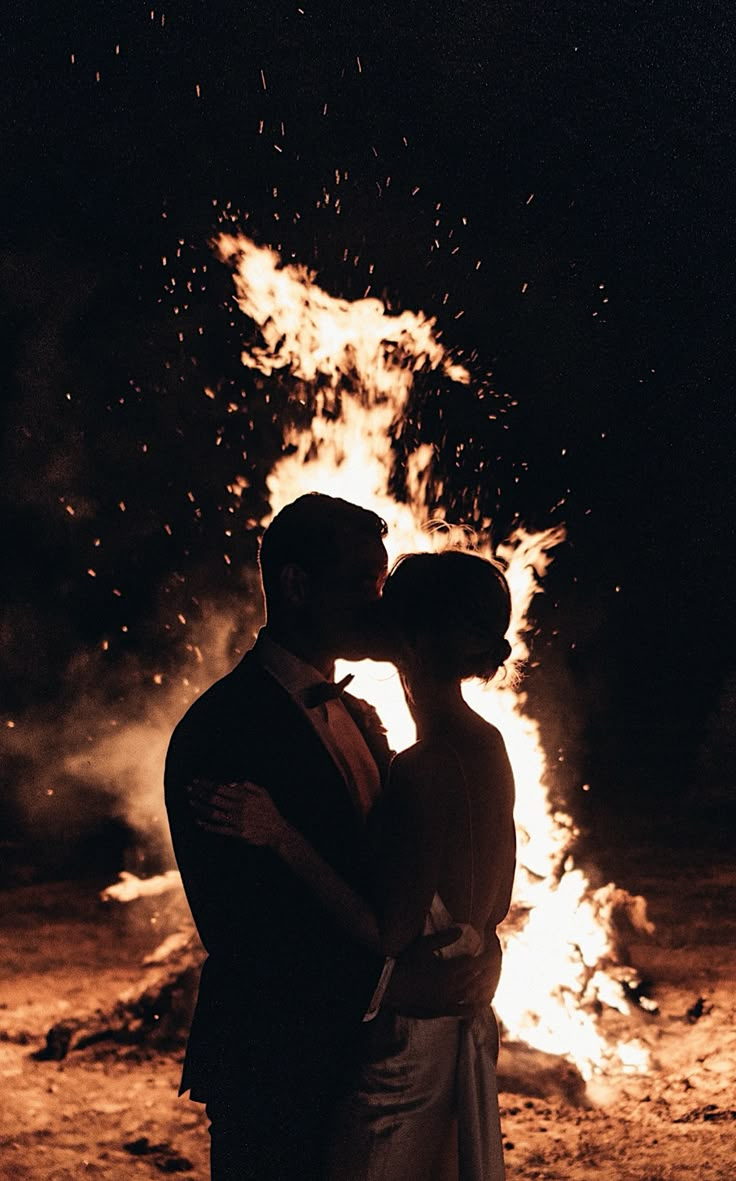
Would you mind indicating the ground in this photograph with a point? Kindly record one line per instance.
(112, 1113)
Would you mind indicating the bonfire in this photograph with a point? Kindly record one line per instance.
(357, 362)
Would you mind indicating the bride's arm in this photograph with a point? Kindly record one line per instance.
(247, 811)
(416, 813)
(350, 910)
(407, 857)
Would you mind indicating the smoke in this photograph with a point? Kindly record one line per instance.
(117, 493)
(98, 760)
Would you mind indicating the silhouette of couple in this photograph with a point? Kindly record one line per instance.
(348, 901)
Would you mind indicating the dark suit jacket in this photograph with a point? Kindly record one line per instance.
(281, 982)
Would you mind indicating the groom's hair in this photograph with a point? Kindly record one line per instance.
(315, 532)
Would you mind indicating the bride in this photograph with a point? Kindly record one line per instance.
(425, 1103)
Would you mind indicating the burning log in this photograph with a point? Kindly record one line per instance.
(522, 1070)
(157, 1010)
(129, 887)
(163, 1155)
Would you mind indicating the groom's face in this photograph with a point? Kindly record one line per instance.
(346, 595)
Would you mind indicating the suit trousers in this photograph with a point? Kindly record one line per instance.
(272, 1123)
(276, 1142)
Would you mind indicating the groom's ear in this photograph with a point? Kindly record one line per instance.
(294, 584)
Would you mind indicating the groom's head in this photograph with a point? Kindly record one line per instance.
(323, 564)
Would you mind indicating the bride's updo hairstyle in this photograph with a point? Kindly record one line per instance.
(453, 609)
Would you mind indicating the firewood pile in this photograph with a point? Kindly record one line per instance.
(156, 1010)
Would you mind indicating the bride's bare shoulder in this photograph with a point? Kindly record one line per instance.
(491, 734)
(426, 758)
(492, 741)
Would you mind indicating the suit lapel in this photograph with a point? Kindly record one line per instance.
(291, 745)
(373, 731)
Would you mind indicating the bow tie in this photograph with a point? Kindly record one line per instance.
(324, 691)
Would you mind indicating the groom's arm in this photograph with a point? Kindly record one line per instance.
(248, 907)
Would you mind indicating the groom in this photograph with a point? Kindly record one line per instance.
(283, 991)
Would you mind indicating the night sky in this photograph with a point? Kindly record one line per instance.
(553, 181)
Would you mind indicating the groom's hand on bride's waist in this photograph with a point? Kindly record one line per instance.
(425, 985)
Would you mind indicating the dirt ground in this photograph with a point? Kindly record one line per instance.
(113, 1114)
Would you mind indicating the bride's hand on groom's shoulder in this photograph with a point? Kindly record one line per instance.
(237, 809)
(425, 985)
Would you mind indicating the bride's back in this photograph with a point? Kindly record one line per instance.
(451, 611)
(477, 871)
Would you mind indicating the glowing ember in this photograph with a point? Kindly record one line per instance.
(361, 360)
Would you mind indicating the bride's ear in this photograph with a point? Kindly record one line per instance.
(294, 582)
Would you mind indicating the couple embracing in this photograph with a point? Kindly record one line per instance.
(348, 901)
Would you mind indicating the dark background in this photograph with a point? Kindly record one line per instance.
(581, 153)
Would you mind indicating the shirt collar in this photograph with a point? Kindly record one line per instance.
(293, 674)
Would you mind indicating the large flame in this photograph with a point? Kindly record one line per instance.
(361, 361)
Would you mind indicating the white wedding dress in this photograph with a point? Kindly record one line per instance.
(426, 1104)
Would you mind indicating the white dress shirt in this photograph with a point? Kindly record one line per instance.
(331, 720)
